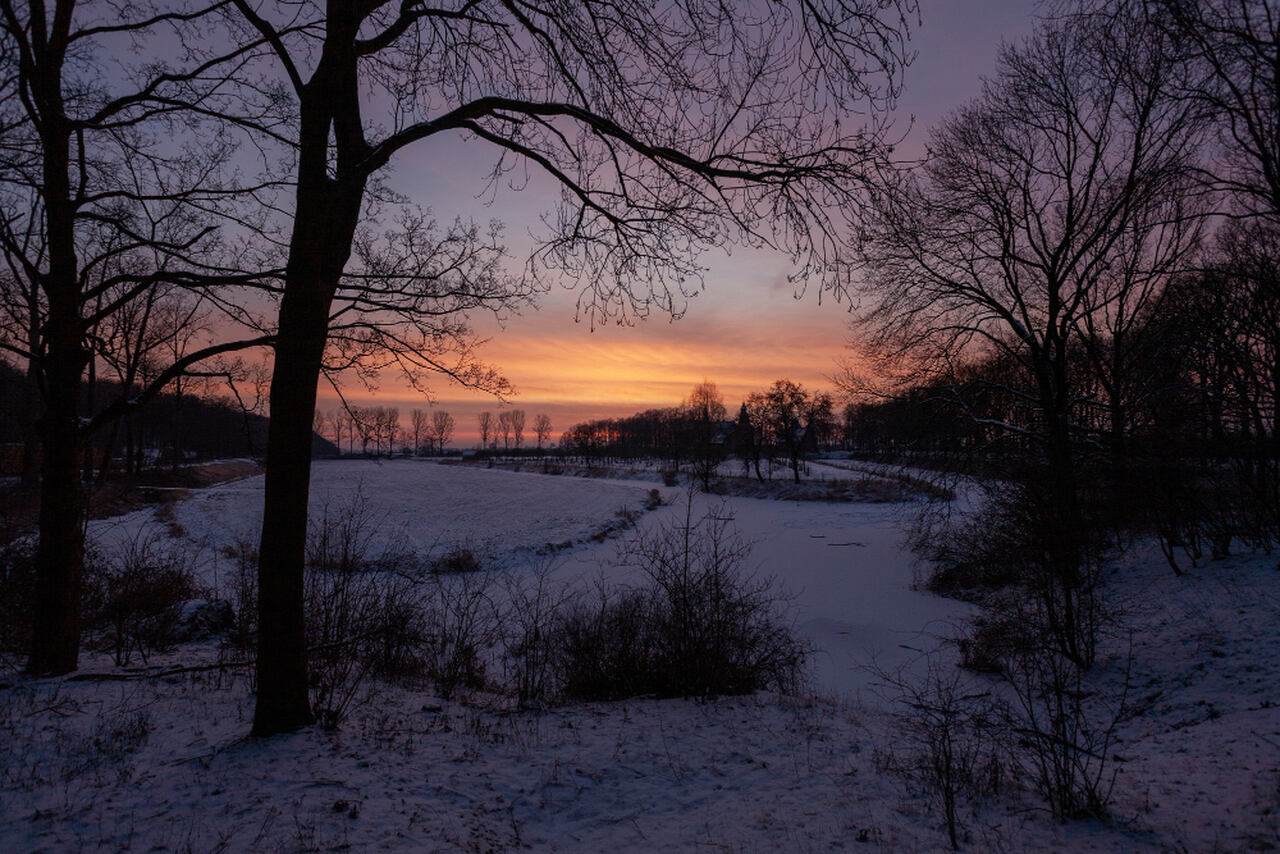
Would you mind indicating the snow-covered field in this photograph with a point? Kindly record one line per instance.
(162, 764)
(413, 504)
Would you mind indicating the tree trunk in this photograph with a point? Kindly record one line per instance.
(324, 225)
(1120, 480)
(108, 451)
(91, 403)
(133, 442)
(31, 424)
(55, 643)
(1063, 522)
(176, 437)
(282, 702)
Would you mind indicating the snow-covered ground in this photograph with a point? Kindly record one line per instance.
(842, 561)
(162, 764)
(412, 504)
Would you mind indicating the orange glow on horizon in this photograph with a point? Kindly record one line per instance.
(744, 332)
(577, 375)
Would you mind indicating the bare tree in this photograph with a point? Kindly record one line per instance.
(761, 445)
(109, 184)
(338, 420)
(1234, 48)
(517, 428)
(362, 422)
(542, 429)
(391, 428)
(705, 403)
(373, 428)
(485, 420)
(1058, 178)
(185, 323)
(667, 128)
(1228, 319)
(127, 343)
(419, 427)
(785, 412)
(318, 421)
(503, 431)
(704, 410)
(441, 429)
(335, 423)
(23, 307)
(1160, 240)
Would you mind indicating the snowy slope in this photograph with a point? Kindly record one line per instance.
(415, 505)
(162, 764)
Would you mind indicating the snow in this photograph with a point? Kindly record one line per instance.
(163, 763)
(414, 505)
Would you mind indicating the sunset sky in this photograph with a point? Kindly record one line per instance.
(745, 330)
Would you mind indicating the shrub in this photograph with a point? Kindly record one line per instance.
(397, 628)
(605, 648)
(979, 552)
(946, 745)
(339, 609)
(1003, 630)
(533, 605)
(243, 595)
(343, 540)
(1061, 732)
(361, 623)
(17, 594)
(1016, 546)
(135, 597)
(698, 626)
(624, 518)
(377, 614)
(1064, 732)
(457, 560)
(364, 614)
(461, 625)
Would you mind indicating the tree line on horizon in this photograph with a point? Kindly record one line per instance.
(1041, 257)
(785, 421)
(378, 430)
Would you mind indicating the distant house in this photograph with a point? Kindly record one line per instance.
(724, 435)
